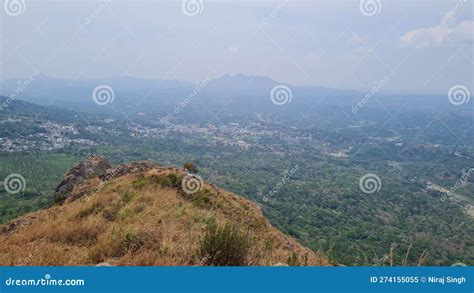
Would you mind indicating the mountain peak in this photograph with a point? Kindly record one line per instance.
(240, 83)
(142, 214)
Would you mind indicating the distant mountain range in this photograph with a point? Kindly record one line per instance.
(242, 94)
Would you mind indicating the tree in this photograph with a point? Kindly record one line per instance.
(190, 167)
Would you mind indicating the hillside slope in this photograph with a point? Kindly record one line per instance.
(143, 214)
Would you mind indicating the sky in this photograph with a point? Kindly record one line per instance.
(421, 46)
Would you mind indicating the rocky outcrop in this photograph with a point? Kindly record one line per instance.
(93, 167)
(129, 168)
(91, 173)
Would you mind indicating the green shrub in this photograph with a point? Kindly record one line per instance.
(175, 179)
(296, 260)
(169, 180)
(202, 198)
(190, 167)
(132, 242)
(163, 181)
(224, 246)
(127, 196)
(139, 183)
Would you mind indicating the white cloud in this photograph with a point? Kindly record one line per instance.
(440, 35)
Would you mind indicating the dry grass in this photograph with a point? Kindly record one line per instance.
(146, 220)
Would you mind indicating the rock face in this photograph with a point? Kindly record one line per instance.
(93, 167)
(88, 175)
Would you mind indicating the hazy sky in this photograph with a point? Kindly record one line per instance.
(327, 43)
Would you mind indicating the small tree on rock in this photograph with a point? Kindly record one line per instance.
(190, 167)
